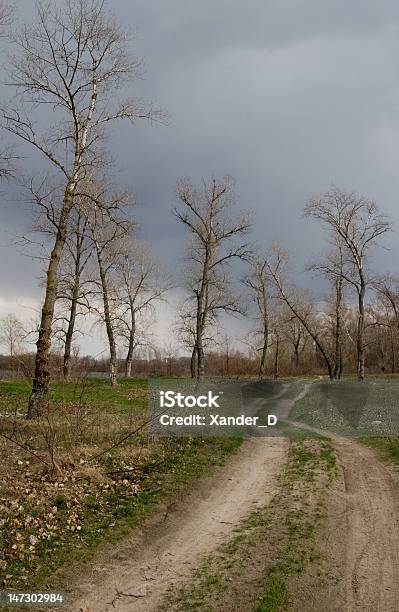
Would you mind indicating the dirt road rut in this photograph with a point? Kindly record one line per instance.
(143, 571)
(371, 567)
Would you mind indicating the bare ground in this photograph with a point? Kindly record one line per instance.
(360, 540)
(371, 567)
(141, 573)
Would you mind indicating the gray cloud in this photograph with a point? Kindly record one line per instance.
(288, 96)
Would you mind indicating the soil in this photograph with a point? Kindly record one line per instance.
(167, 552)
(371, 504)
(360, 539)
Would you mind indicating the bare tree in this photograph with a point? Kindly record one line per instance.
(141, 285)
(73, 60)
(385, 315)
(301, 307)
(357, 223)
(334, 267)
(383, 332)
(75, 285)
(171, 352)
(295, 334)
(206, 214)
(109, 240)
(258, 283)
(12, 334)
(387, 288)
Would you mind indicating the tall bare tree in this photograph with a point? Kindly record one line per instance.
(207, 215)
(358, 223)
(334, 266)
(74, 60)
(257, 282)
(75, 286)
(141, 285)
(109, 247)
(300, 305)
(383, 333)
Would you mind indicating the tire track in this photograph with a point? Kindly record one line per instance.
(371, 567)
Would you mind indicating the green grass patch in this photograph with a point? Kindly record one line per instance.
(129, 392)
(276, 597)
(389, 447)
(253, 570)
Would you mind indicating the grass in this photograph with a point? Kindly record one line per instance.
(274, 545)
(275, 598)
(87, 390)
(349, 407)
(53, 517)
(388, 447)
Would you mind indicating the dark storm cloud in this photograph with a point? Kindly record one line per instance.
(288, 96)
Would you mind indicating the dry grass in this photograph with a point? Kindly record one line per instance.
(62, 493)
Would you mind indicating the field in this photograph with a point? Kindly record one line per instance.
(62, 492)
(260, 525)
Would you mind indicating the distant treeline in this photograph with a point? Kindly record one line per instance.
(233, 364)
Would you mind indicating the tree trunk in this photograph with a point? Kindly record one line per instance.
(227, 362)
(393, 356)
(341, 363)
(360, 334)
(113, 363)
(130, 350)
(296, 356)
(276, 359)
(263, 356)
(113, 371)
(128, 368)
(70, 331)
(41, 379)
(200, 363)
(193, 363)
(201, 315)
(338, 329)
(79, 233)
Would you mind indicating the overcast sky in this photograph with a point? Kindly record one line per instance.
(287, 96)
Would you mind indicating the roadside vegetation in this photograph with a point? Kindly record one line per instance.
(62, 494)
(387, 447)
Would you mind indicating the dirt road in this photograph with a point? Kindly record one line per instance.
(362, 541)
(371, 565)
(144, 570)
